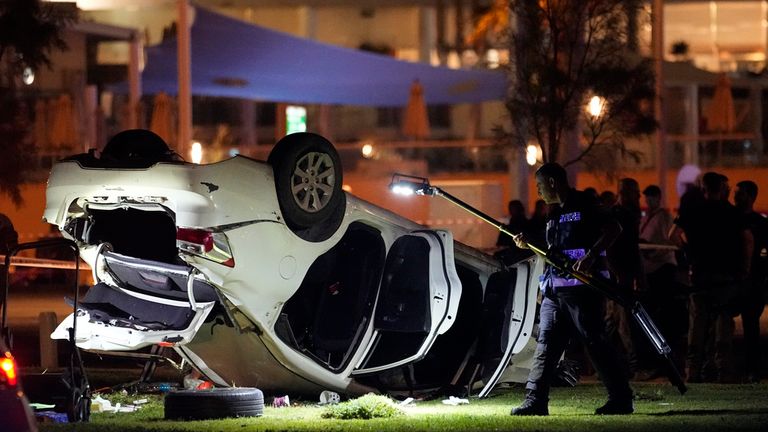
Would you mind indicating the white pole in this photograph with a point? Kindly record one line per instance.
(185, 88)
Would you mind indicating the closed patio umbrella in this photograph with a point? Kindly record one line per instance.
(721, 114)
(64, 125)
(415, 119)
(162, 117)
(41, 124)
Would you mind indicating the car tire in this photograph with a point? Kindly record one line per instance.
(308, 179)
(136, 148)
(214, 403)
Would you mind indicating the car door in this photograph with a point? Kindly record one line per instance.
(418, 300)
(509, 311)
(137, 303)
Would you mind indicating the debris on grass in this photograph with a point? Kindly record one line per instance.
(44, 417)
(656, 395)
(365, 407)
(328, 397)
(281, 401)
(453, 400)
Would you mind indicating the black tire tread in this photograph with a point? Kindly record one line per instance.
(214, 403)
(310, 227)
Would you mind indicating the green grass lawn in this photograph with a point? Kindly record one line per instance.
(658, 407)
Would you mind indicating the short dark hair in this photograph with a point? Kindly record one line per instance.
(516, 204)
(712, 182)
(652, 190)
(628, 183)
(553, 170)
(749, 187)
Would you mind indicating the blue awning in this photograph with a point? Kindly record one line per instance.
(232, 58)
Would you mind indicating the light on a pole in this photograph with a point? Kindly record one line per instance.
(532, 154)
(367, 151)
(28, 76)
(196, 152)
(406, 185)
(596, 106)
(493, 57)
(404, 190)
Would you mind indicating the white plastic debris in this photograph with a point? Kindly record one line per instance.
(281, 401)
(328, 397)
(453, 400)
(191, 381)
(99, 404)
(126, 408)
(407, 402)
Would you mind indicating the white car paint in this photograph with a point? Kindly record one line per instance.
(271, 262)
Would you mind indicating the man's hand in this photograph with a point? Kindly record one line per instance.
(520, 241)
(585, 263)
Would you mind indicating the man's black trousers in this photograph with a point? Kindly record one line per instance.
(579, 310)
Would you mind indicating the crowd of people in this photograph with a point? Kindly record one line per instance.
(694, 272)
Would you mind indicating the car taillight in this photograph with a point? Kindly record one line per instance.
(8, 367)
(208, 244)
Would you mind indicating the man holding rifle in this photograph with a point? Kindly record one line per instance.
(577, 229)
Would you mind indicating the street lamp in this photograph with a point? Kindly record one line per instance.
(532, 154)
(367, 150)
(196, 152)
(596, 106)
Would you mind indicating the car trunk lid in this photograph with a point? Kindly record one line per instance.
(136, 303)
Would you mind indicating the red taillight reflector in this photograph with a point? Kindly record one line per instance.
(197, 236)
(8, 367)
(207, 243)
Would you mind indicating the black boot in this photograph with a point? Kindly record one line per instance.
(616, 407)
(531, 406)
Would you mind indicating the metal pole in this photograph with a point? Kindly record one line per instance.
(436, 191)
(184, 66)
(658, 106)
(134, 79)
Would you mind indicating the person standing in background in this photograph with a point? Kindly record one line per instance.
(752, 302)
(537, 224)
(667, 303)
(719, 247)
(627, 268)
(507, 251)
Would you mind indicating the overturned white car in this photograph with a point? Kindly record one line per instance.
(267, 274)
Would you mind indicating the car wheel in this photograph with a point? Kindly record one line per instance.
(308, 179)
(214, 403)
